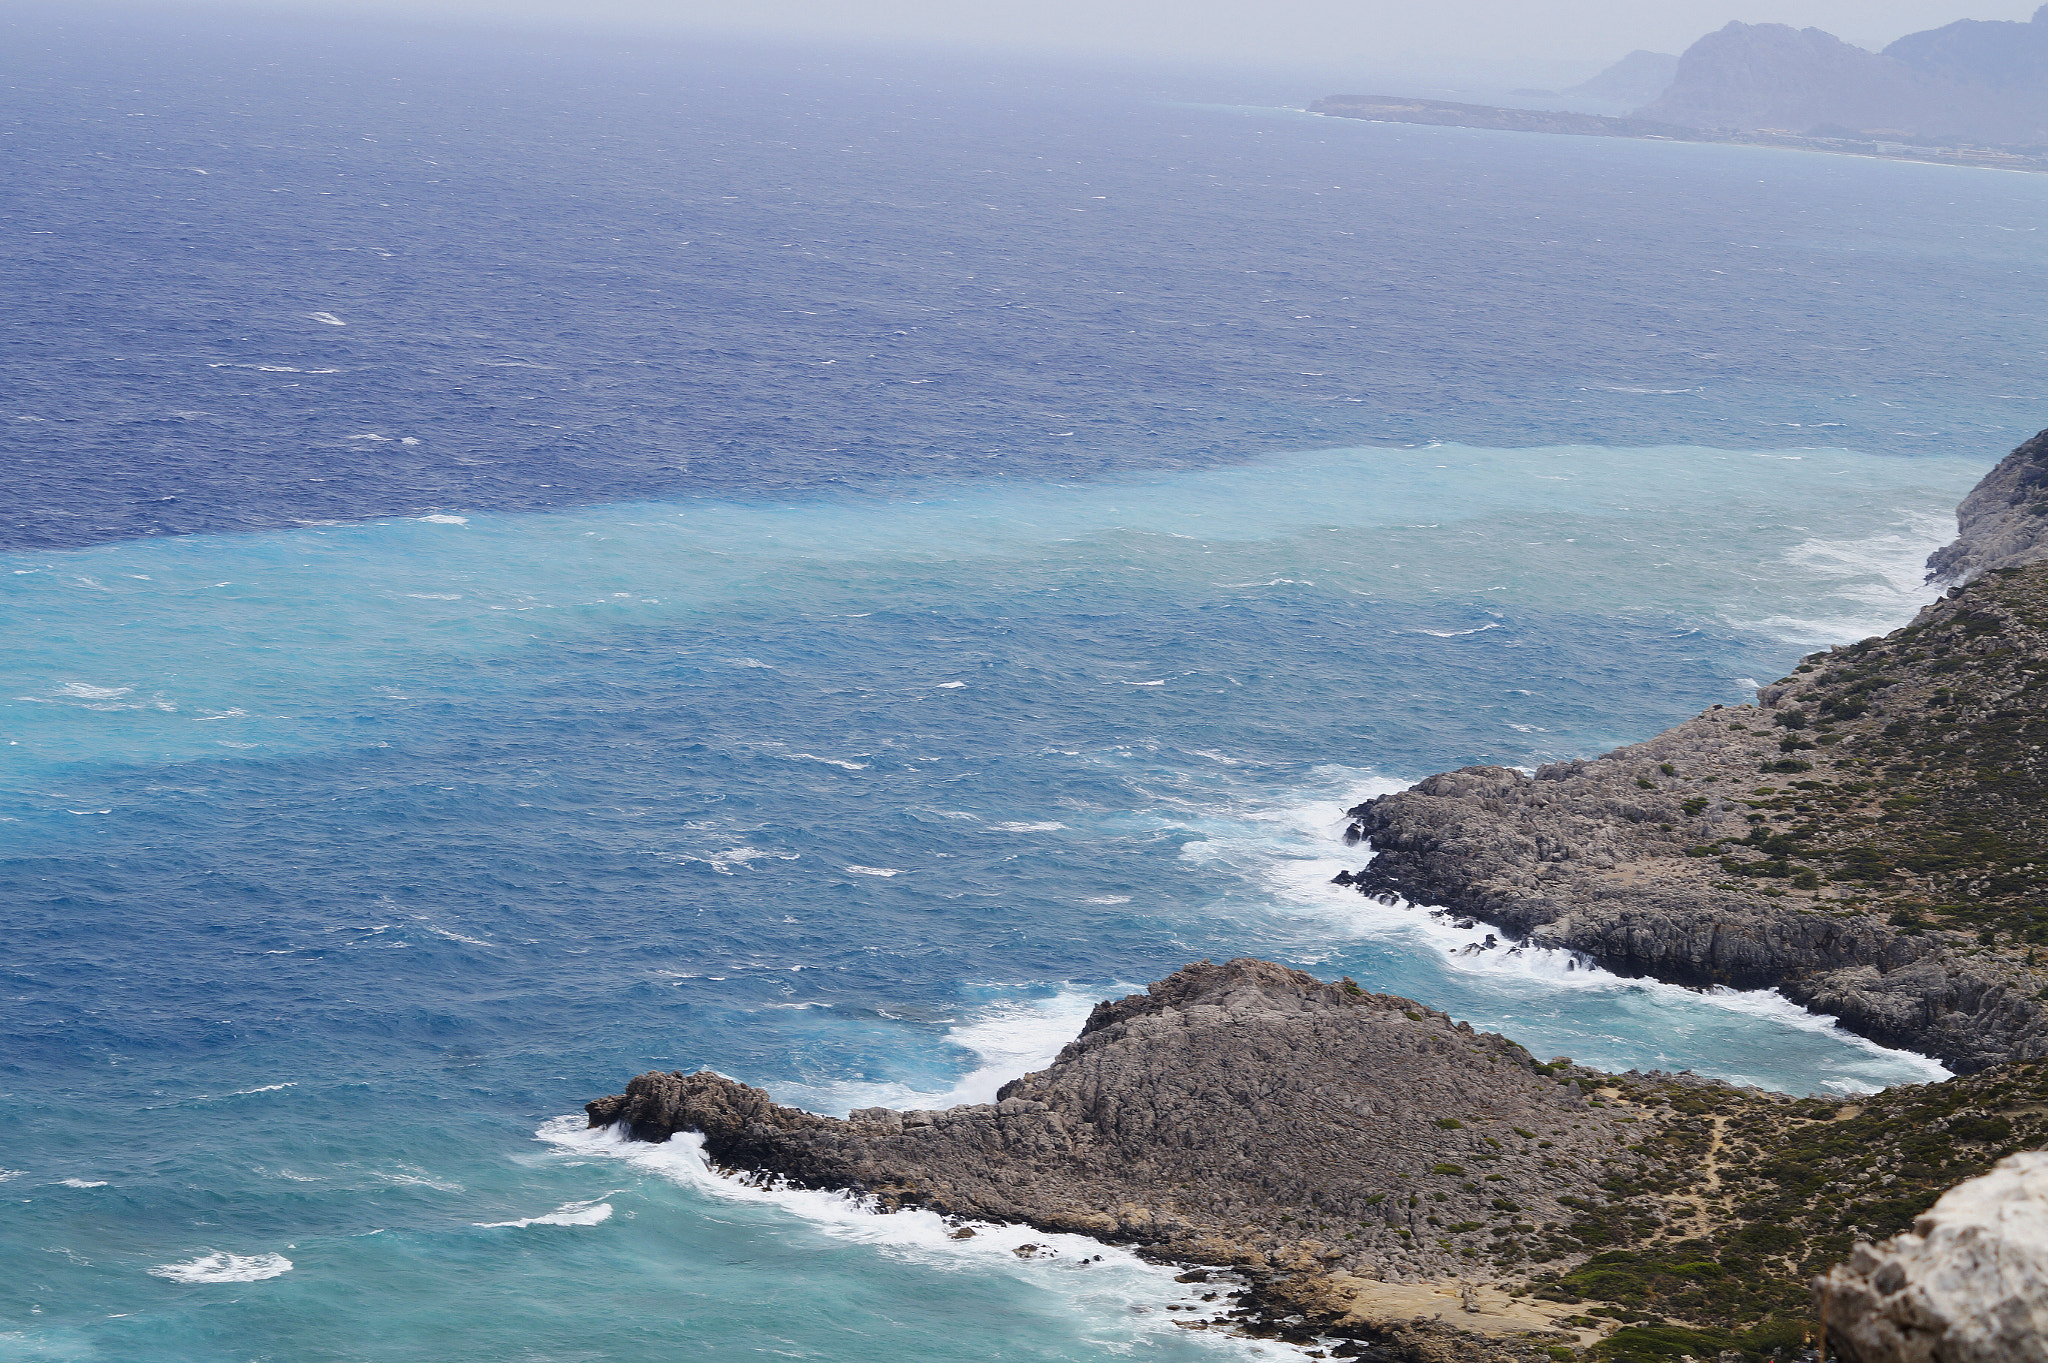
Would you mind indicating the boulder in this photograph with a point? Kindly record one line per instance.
(1968, 1284)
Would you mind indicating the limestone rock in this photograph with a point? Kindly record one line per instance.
(1969, 1284)
(2004, 520)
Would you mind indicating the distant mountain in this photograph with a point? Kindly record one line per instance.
(1637, 78)
(1996, 53)
(1973, 81)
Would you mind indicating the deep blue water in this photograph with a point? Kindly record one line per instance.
(546, 561)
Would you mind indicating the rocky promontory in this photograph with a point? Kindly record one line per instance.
(1240, 1114)
(1867, 837)
(1360, 1172)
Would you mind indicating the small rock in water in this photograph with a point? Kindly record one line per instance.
(964, 1233)
(1026, 1251)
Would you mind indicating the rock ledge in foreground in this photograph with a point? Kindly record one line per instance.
(1969, 1284)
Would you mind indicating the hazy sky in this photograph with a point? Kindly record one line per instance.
(1310, 32)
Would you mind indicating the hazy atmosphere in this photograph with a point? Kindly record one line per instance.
(1318, 33)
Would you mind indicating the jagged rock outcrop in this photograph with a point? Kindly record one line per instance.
(2003, 523)
(1242, 1114)
(1969, 1284)
(1865, 838)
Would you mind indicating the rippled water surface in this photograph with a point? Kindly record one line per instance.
(719, 561)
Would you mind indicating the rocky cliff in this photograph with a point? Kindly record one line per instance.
(1968, 1284)
(2003, 523)
(1866, 837)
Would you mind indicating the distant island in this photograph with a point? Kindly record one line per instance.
(1974, 92)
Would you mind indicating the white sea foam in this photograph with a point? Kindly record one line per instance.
(221, 1267)
(840, 762)
(445, 520)
(1006, 1040)
(1027, 827)
(329, 318)
(84, 1183)
(592, 1212)
(1115, 1298)
(883, 871)
(1288, 851)
(950, 686)
(86, 691)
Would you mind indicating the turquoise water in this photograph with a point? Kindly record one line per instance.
(526, 562)
(349, 860)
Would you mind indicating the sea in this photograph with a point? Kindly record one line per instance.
(530, 557)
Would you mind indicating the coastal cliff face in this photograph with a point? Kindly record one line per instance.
(1866, 837)
(2003, 523)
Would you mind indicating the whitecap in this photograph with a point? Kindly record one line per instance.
(831, 761)
(445, 520)
(222, 1267)
(1027, 827)
(1119, 1295)
(1149, 683)
(874, 871)
(83, 691)
(951, 686)
(84, 1183)
(329, 318)
(590, 1213)
(1456, 633)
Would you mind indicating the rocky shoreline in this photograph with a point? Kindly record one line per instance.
(1359, 1174)
(1862, 838)
(1342, 1170)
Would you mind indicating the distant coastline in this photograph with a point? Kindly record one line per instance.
(1447, 114)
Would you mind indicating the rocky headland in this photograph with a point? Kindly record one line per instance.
(1868, 837)
(1362, 1175)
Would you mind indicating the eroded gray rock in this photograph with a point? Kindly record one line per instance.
(1242, 1114)
(2003, 523)
(1969, 1284)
